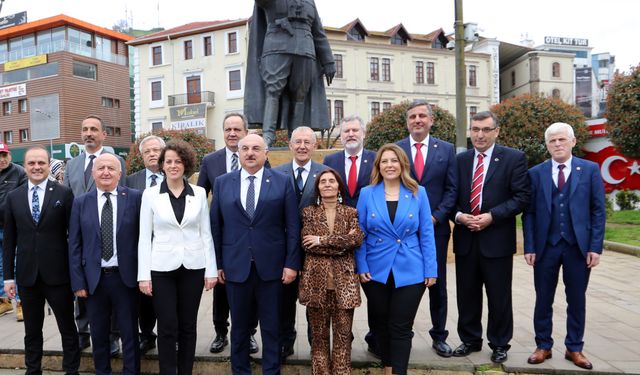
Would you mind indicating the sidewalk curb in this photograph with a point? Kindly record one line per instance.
(622, 248)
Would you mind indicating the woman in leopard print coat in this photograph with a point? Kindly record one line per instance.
(329, 286)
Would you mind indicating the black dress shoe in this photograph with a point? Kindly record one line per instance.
(253, 345)
(499, 355)
(285, 352)
(114, 348)
(465, 349)
(146, 345)
(442, 349)
(218, 344)
(84, 341)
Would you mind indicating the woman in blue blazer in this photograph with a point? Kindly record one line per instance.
(397, 259)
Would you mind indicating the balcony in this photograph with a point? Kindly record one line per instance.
(61, 45)
(192, 98)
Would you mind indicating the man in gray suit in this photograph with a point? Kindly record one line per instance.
(303, 172)
(150, 148)
(77, 176)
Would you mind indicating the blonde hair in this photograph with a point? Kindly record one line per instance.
(405, 177)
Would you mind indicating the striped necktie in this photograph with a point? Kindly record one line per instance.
(476, 185)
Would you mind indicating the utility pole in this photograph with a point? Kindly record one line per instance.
(461, 81)
(1, 2)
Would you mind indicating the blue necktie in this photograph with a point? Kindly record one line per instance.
(251, 197)
(35, 205)
(299, 180)
(153, 180)
(234, 162)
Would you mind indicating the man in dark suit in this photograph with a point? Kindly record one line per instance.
(493, 187)
(77, 175)
(433, 165)
(256, 231)
(150, 148)
(563, 227)
(213, 165)
(355, 165)
(103, 262)
(352, 133)
(35, 228)
(302, 171)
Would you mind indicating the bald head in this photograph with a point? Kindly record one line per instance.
(253, 152)
(106, 172)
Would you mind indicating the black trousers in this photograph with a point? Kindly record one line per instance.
(394, 310)
(176, 298)
(60, 298)
(473, 271)
(438, 299)
(221, 312)
(147, 318)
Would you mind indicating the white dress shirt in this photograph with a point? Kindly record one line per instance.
(87, 159)
(305, 173)
(244, 186)
(42, 187)
(424, 148)
(147, 181)
(113, 262)
(347, 163)
(229, 155)
(555, 170)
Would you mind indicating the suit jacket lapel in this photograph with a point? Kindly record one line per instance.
(494, 164)
(309, 185)
(364, 175)
(48, 195)
(576, 174)
(547, 181)
(432, 154)
(404, 202)
(122, 203)
(381, 204)
(236, 192)
(264, 190)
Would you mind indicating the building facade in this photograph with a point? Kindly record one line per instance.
(53, 73)
(192, 75)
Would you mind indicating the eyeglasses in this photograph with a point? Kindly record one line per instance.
(299, 142)
(483, 130)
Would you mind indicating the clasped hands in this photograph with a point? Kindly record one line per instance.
(476, 223)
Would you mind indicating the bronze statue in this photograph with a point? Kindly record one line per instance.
(288, 55)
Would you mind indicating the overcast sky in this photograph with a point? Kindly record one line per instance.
(610, 25)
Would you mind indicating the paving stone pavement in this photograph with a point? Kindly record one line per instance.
(612, 339)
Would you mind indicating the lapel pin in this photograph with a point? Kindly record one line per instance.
(314, 176)
(435, 146)
(123, 193)
(496, 159)
(410, 216)
(267, 180)
(406, 196)
(373, 215)
(366, 161)
(50, 189)
(578, 168)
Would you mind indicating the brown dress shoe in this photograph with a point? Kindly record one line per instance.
(539, 356)
(578, 359)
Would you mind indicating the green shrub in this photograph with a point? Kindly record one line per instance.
(623, 112)
(200, 144)
(627, 200)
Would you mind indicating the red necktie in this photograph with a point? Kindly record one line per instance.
(353, 176)
(418, 163)
(561, 179)
(476, 186)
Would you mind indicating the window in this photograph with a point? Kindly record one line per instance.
(356, 34)
(472, 112)
(117, 132)
(26, 74)
(24, 135)
(80, 42)
(188, 49)
(513, 78)
(338, 111)
(338, 60)
(419, 72)
(374, 68)
(156, 126)
(207, 46)
(6, 108)
(103, 48)
(386, 106)
(107, 102)
(603, 63)
(156, 91)
(329, 109)
(22, 106)
(386, 70)
(109, 130)
(235, 82)
(84, 70)
(556, 93)
(8, 137)
(431, 73)
(232, 42)
(116, 103)
(375, 109)
(555, 70)
(156, 55)
(473, 79)
(398, 40)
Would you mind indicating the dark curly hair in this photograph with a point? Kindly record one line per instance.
(185, 152)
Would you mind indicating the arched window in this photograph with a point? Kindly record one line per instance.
(555, 70)
(556, 93)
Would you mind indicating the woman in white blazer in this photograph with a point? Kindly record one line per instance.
(176, 258)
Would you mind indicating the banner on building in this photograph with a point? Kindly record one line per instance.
(189, 117)
(25, 63)
(13, 20)
(583, 90)
(13, 91)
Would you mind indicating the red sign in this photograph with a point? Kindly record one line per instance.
(619, 172)
(598, 130)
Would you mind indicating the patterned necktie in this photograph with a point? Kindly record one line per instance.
(476, 185)
(251, 197)
(35, 205)
(234, 162)
(106, 228)
(299, 180)
(154, 181)
(561, 179)
(352, 181)
(418, 162)
(87, 171)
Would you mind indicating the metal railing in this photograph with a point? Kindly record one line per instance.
(183, 99)
(62, 45)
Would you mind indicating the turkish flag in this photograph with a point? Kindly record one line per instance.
(619, 172)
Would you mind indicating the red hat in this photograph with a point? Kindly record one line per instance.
(4, 148)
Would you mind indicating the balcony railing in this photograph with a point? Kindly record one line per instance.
(200, 97)
(62, 45)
